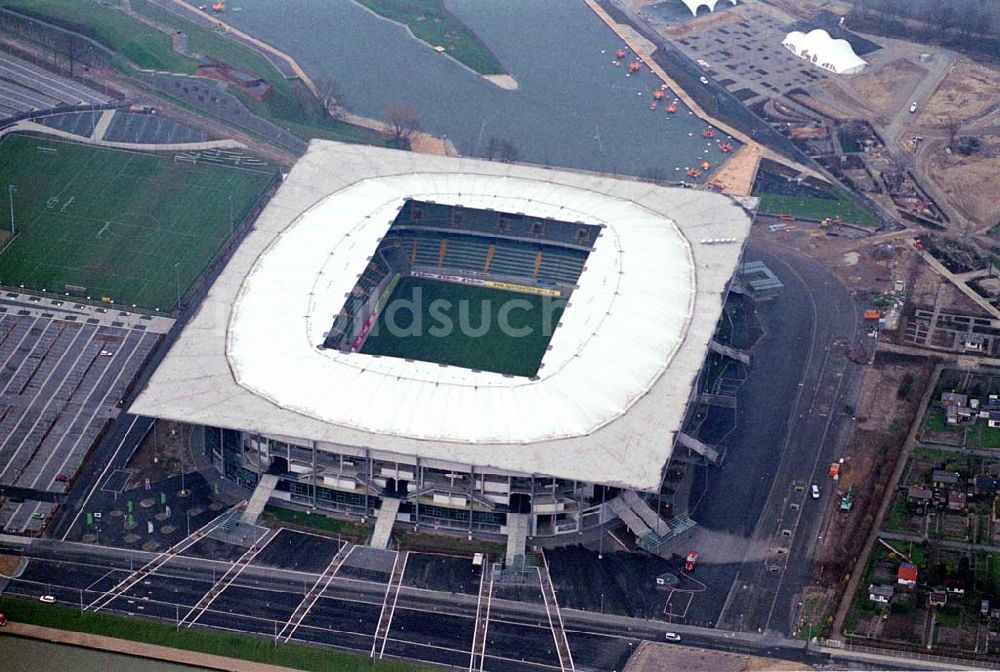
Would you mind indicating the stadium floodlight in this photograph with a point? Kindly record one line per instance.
(10, 192)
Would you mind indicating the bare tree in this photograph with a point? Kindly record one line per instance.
(953, 126)
(502, 150)
(402, 122)
(331, 95)
(75, 48)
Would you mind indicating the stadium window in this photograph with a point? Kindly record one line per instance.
(457, 216)
(582, 234)
(503, 224)
(418, 213)
(538, 227)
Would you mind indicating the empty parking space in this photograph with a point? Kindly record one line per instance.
(448, 573)
(441, 638)
(298, 551)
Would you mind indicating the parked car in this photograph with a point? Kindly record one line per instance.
(62, 478)
(815, 491)
(47, 599)
(673, 637)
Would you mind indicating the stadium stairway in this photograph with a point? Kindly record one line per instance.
(517, 535)
(383, 524)
(703, 449)
(258, 500)
(729, 351)
(644, 511)
(632, 521)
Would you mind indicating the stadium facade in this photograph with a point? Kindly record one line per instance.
(278, 367)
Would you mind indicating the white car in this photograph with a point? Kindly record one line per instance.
(673, 637)
(703, 80)
(815, 491)
(913, 108)
(106, 353)
(47, 599)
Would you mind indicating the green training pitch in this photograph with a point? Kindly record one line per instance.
(126, 226)
(463, 325)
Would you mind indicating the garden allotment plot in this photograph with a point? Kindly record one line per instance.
(125, 226)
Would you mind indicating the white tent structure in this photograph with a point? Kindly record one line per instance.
(695, 5)
(821, 50)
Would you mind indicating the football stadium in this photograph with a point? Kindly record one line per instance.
(455, 344)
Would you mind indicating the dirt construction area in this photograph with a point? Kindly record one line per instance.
(164, 453)
(888, 402)
(969, 91)
(881, 90)
(970, 182)
(656, 657)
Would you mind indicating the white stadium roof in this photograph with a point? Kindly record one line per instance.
(819, 48)
(613, 386)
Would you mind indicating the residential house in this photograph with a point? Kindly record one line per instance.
(881, 592)
(951, 415)
(992, 418)
(954, 399)
(945, 479)
(906, 575)
(956, 500)
(937, 598)
(985, 486)
(918, 495)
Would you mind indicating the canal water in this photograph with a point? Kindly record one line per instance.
(573, 108)
(30, 655)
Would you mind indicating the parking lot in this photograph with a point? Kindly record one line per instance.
(361, 603)
(60, 383)
(25, 87)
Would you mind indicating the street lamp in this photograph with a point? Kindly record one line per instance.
(177, 277)
(10, 193)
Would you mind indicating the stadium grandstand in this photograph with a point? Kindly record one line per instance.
(282, 370)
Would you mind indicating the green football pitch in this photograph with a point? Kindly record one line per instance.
(461, 325)
(126, 226)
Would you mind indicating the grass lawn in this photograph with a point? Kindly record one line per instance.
(318, 522)
(432, 23)
(116, 222)
(195, 639)
(982, 436)
(442, 543)
(144, 46)
(810, 207)
(460, 325)
(297, 111)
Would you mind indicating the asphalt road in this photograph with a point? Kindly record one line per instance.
(779, 557)
(788, 427)
(427, 625)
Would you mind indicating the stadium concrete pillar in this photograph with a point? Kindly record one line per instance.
(312, 446)
(472, 496)
(368, 459)
(419, 487)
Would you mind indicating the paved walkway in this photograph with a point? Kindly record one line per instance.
(643, 53)
(140, 649)
(101, 128)
(33, 127)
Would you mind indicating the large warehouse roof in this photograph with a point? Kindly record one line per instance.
(613, 386)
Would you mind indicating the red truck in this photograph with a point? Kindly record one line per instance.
(691, 561)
